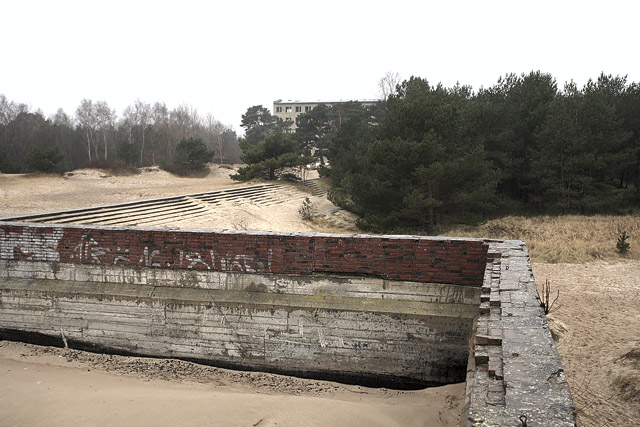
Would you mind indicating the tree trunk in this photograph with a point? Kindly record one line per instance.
(430, 212)
(88, 136)
(142, 148)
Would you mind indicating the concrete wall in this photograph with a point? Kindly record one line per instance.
(515, 377)
(352, 308)
(403, 311)
(384, 342)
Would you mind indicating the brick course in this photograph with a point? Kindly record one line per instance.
(411, 258)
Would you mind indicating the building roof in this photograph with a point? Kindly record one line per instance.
(280, 101)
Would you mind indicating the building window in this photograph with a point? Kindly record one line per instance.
(278, 109)
(287, 109)
(298, 108)
(307, 108)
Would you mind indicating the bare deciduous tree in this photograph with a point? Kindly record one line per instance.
(215, 136)
(142, 115)
(86, 119)
(185, 122)
(153, 132)
(128, 122)
(161, 131)
(105, 124)
(9, 110)
(387, 84)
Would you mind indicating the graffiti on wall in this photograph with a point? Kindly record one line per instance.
(37, 246)
(54, 244)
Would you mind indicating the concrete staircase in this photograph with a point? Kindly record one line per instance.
(157, 211)
(314, 186)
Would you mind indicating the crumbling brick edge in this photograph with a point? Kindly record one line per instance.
(514, 375)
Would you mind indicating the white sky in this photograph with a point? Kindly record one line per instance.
(223, 57)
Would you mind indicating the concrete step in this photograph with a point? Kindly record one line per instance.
(313, 185)
(158, 211)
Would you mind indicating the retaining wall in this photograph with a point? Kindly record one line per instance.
(383, 310)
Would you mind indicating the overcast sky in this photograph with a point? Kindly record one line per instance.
(223, 57)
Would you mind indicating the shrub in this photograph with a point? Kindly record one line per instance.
(180, 170)
(6, 165)
(307, 210)
(545, 299)
(191, 155)
(43, 159)
(127, 152)
(622, 246)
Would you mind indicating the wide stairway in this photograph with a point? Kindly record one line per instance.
(158, 211)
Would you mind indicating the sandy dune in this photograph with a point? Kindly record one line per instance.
(596, 320)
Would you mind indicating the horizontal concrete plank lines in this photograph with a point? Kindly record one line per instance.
(195, 297)
(337, 285)
(403, 342)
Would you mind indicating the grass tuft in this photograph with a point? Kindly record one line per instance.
(629, 382)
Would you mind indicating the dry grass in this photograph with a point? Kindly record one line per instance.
(570, 238)
(629, 382)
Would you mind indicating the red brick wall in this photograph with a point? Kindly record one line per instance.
(412, 258)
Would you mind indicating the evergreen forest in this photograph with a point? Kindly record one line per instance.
(424, 156)
(429, 155)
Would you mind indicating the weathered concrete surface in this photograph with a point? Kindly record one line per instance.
(322, 284)
(515, 375)
(377, 341)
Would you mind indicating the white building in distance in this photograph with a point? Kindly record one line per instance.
(290, 110)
